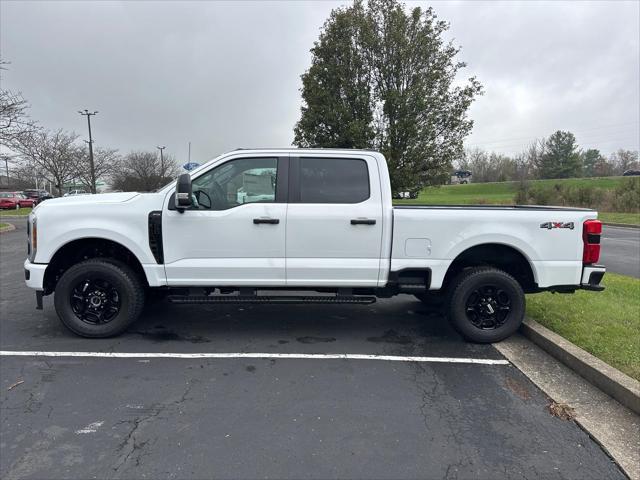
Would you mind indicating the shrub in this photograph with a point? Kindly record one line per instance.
(624, 198)
(627, 196)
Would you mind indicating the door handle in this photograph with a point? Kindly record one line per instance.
(270, 221)
(362, 221)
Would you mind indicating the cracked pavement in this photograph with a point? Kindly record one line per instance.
(272, 418)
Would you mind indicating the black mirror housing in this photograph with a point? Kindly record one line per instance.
(183, 192)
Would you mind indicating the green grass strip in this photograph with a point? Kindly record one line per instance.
(605, 324)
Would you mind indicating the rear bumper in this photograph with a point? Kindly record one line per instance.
(34, 274)
(592, 276)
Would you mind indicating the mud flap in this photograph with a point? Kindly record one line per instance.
(39, 294)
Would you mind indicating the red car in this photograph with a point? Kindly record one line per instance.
(15, 200)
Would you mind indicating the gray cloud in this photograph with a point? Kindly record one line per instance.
(225, 75)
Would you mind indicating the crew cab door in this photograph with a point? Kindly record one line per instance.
(334, 221)
(234, 233)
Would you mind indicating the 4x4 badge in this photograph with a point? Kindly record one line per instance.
(550, 225)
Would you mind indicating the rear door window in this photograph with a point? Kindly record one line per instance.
(333, 180)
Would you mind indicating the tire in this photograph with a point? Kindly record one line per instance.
(474, 294)
(113, 284)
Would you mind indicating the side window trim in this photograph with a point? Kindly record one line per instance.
(295, 180)
(282, 182)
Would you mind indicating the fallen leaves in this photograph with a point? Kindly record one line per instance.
(561, 410)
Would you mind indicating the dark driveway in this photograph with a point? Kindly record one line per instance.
(271, 418)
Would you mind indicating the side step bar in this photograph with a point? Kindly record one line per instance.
(200, 299)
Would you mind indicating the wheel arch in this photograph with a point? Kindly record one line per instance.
(81, 249)
(499, 255)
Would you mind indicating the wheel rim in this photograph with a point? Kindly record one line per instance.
(488, 307)
(95, 301)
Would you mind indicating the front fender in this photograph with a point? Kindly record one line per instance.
(132, 242)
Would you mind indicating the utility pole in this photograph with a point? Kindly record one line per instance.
(88, 114)
(189, 157)
(161, 159)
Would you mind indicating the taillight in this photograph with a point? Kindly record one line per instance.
(591, 231)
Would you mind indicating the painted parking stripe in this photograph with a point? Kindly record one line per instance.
(312, 356)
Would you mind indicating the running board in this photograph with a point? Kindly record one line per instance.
(201, 299)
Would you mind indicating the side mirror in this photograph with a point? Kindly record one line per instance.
(183, 192)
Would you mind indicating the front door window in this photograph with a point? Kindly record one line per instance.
(235, 183)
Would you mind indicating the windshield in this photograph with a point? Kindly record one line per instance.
(6, 195)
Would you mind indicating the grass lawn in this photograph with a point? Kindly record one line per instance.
(629, 218)
(20, 211)
(606, 324)
(504, 193)
(2, 225)
(498, 192)
(465, 194)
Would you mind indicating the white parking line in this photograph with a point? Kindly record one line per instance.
(312, 356)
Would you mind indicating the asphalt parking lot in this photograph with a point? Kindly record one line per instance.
(78, 417)
(621, 250)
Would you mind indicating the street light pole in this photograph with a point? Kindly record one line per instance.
(161, 158)
(88, 114)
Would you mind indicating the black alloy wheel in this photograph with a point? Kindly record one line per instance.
(95, 301)
(485, 304)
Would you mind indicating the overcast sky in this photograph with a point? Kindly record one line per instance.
(224, 75)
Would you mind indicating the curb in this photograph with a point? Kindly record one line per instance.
(622, 225)
(611, 381)
(8, 228)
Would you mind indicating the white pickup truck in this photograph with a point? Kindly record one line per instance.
(319, 223)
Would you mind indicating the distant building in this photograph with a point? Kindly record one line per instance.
(101, 186)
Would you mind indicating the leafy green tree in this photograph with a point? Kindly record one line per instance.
(560, 158)
(384, 78)
(337, 87)
(590, 159)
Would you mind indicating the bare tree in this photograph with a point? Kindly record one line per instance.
(623, 160)
(144, 171)
(54, 153)
(105, 161)
(14, 121)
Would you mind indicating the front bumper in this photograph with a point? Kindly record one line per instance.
(34, 274)
(592, 276)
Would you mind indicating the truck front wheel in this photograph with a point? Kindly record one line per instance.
(485, 304)
(99, 298)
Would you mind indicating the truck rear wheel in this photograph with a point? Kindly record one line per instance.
(485, 304)
(99, 298)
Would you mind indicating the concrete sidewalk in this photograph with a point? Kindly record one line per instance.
(613, 426)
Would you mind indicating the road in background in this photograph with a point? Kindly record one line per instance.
(621, 250)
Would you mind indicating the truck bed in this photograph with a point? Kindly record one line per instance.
(496, 207)
(550, 238)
